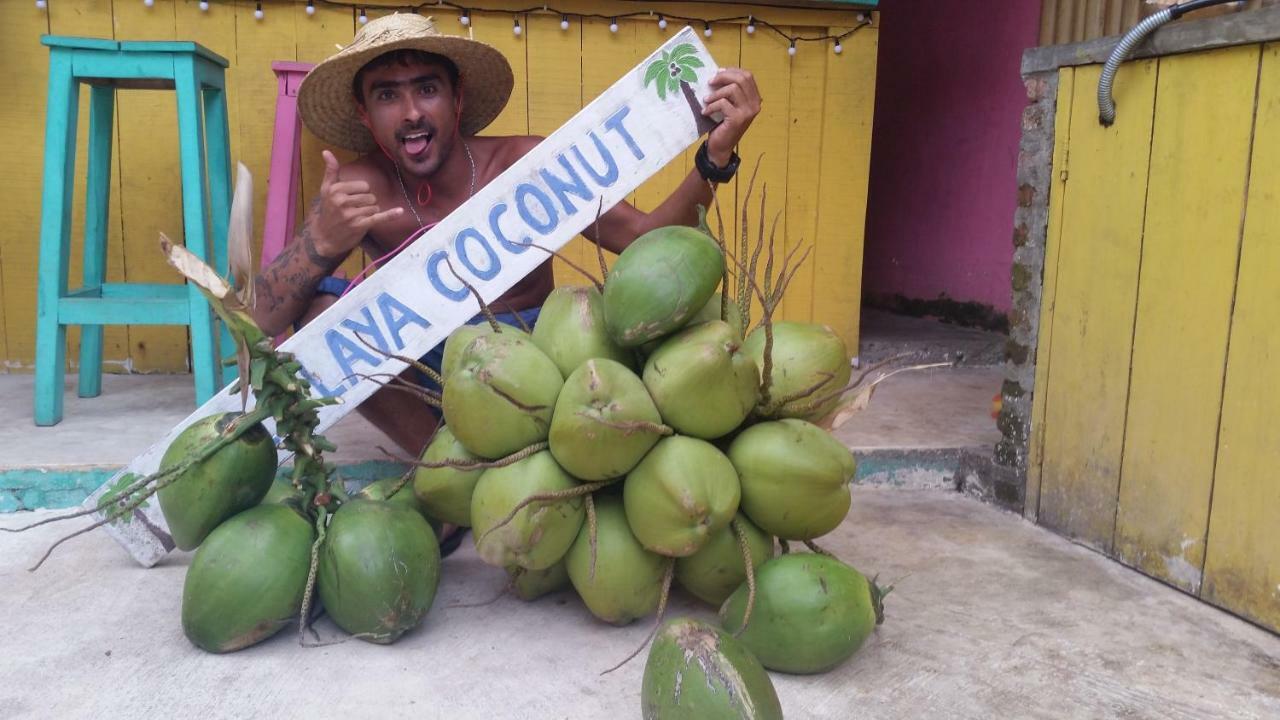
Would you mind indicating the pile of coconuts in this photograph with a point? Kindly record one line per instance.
(640, 435)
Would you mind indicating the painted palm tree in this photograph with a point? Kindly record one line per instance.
(674, 71)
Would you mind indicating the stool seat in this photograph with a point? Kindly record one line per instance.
(196, 76)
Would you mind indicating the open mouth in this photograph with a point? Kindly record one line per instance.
(416, 143)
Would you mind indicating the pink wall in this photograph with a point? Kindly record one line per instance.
(949, 100)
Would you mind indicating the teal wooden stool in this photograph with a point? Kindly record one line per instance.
(197, 76)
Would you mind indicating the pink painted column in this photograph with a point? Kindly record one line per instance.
(284, 180)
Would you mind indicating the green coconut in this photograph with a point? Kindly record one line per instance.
(500, 397)
(659, 282)
(680, 494)
(604, 421)
(529, 585)
(462, 336)
(697, 671)
(247, 579)
(627, 583)
(812, 612)
(711, 311)
(718, 568)
(381, 490)
(700, 380)
(379, 569)
(540, 533)
(795, 478)
(571, 330)
(234, 478)
(445, 492)
(809, 360)
(280, 492)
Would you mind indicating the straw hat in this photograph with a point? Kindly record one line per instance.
(329, 109)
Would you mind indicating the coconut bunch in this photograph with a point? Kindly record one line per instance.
(643, 433)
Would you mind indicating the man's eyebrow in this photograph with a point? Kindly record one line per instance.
(380, 84)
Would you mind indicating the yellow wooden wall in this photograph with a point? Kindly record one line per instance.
(814, 133)
(1069, 21)
(1157, 409)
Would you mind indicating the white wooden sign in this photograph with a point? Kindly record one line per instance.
(411, 304)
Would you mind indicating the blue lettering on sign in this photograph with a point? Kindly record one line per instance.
(494, 213)
(369, 327)
(395, 315)
(433, 274)
(563, 188)
(346, 352)
(492, 267)
(614, 123)
(523, 192)
(610, 174)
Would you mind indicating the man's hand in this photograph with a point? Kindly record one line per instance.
(345, 211)
(735, 96)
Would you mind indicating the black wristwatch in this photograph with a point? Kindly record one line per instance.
(709, 171)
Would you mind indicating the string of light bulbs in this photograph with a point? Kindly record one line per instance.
(663, 19)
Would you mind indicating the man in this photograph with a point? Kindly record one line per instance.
(411, 100)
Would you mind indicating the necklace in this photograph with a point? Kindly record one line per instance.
(405, 190)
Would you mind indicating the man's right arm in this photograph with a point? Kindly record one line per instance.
(338, 220)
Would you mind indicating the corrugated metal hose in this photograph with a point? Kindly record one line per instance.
(1130, 40)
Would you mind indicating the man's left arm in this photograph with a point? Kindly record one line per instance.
(735, 96)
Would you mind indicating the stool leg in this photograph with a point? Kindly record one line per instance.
(98, 200)
(195, 214)
(219, 154)
(55, 236)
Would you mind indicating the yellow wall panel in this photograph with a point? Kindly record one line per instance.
(1048, 295)
(846, 157)
(1199, 158)
(1093, 306)
(556, 72)
(1242, 562)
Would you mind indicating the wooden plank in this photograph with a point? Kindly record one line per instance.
(21, 24)
(806, 110)
(1188, 35)
(1100, 234)
(495, 29)
(1242, 568)
(555, 94)
(842, 200)
(1048, 293)
(1199, 160)
(317, 37)
(150, 188)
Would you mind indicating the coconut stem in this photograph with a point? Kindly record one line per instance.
(484, 308)
(416, 364)
(741, 534)
(511, 459)
(667, 575)
(604, 267)
(744, 299)
(550, 497)
(778, 404)
(877, 598)
(598, 285)
(511, 311)
(818, 549)
(321, 518)
(399, 384)
(591, 535)
(519, 405)
(724, 280)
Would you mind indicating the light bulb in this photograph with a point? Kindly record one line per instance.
(311, 7)
(363, 18)
(149, 3)
(662, 22)
(564, 22)
(792, 50)
(751, 26)
(516, 27)
(466, 18)
(838, 47)
(257, 12)
(41, 4)
(613, 25)
(204, 6)
(707, 31)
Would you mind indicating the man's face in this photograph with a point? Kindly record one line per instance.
(412, 113)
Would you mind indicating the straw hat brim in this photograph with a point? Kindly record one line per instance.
(329, 109)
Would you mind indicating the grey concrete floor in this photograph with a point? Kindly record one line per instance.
(885, 334)
(991, 618)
